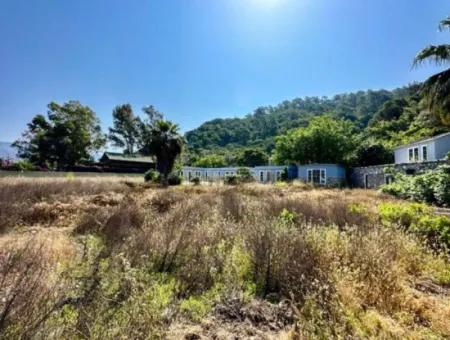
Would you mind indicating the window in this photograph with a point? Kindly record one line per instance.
(317, 176)
(261, 176)
(323, 177)
(410, 155)
(424, 153)
(413, 154)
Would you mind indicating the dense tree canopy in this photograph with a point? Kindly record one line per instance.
(211, 161)
(373, 154)
(324, 140)
(69, 135)
(252, 157)
(258, 130)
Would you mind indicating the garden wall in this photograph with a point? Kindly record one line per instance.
(377, 176)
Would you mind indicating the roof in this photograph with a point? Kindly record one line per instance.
(321, 164)
(119, 157)
(270, 167)
(195, 168)
(423, 140)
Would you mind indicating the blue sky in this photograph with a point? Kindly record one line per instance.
(201, 59)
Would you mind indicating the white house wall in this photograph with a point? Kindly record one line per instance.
(401, 154)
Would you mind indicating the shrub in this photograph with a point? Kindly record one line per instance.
(284, 175)
(245, 175)
(231, 180)
(151, 176)
(419, 219)
(174, 179)
(22, 165)
(195, 180)
(432, 186)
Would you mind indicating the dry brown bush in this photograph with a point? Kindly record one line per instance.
(29, 288)
(17, 195)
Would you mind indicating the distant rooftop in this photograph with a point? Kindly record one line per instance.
(116, 156)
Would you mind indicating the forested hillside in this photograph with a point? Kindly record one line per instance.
(381, 116)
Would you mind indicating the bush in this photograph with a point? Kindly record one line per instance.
(174, 179)
(418, 218)
(231, 180)
(22, 165)
(284, 175)
(195, 180)
(245, 175)
(431, 187)
(151, 176)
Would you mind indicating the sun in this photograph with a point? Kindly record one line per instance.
(267, 3)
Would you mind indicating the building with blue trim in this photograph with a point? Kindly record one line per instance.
(317, 174)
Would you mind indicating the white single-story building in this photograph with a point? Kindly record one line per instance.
(208, 174)
(317, 174)
(268, 173)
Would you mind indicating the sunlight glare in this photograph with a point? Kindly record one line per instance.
(267, 3)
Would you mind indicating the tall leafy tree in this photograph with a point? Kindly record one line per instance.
(161, 138)
(35, 142)
(211, 161)
(373, 154)
(69, 135)
(125, 131)
(152, 113)
(437, 88)
(253, 157)
(324, 140)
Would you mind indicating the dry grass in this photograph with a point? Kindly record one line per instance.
(110, 260)
(31, 201)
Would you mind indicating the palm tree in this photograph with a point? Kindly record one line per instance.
(436, 89)
(162, 140)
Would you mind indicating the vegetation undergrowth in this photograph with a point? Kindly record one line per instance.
(432, 186)
(139, 262)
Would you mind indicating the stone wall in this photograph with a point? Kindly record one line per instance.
(376, 175)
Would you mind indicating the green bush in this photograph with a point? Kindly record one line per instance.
(152, 176)
(22, 165)
(244, 175)
(417, 218)
(174, 179)
(432, 186)
(195, 180)
(231, 180)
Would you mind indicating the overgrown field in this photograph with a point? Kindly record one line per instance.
(98, 259)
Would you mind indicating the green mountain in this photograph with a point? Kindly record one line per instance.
(391, 117)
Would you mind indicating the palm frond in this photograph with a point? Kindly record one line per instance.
(444, 24)
(437, 54)
(436, 91)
